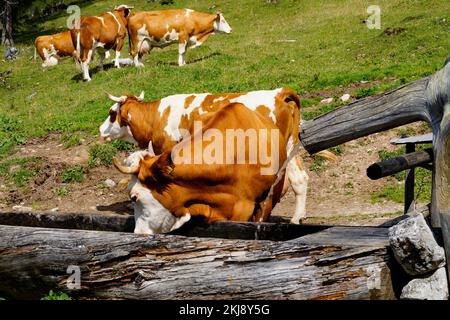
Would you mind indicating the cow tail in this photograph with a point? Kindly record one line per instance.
(291, 98)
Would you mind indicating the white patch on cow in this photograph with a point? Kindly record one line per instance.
(85, 66)
(177, 110)
(254, 99)
(119, 26)
(173, 35)
(102, 20)
(117, 60)
(110, 131)
(150, 216)
(129, 117)
(188, 12)
(201, 111)
(219, 99)
(222, 25)
(50, 60)
(181, 54)
(193, 42)
(299, 182)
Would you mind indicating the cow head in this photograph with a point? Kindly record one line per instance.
(221, 25)
(124, 10)
(116, 125)
(150, 174)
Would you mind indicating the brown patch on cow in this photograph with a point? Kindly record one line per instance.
(188, 101)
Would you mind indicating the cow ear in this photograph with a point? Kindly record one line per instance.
(157, 169)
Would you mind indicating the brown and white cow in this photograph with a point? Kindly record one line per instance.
(186, 27)
(100, 33)
(168, 191)
(52, 47)
(163, 122)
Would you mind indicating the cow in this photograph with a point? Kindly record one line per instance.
(186, 27)
(52, 47)
(167, 191)
(100, 33)
(162, 123)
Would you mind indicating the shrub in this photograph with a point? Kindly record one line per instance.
(56, 296)
(73, 174)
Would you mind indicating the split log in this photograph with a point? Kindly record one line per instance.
(116, 265)
(397, 164)
(427, 99)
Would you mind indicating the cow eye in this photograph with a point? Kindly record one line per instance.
(112, 116)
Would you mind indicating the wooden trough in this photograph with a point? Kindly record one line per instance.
(92, 256)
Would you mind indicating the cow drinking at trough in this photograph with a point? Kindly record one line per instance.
(162, 122)
(99, 34)
(52, 47)
(186, 27)
(167, 190)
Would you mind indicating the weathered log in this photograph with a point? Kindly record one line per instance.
(397, 164)
(116, 265)
(427, 99)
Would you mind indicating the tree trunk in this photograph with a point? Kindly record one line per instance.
(7, 25)
(336, 263)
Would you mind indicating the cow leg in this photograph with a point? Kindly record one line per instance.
(182, 53)
(119, 46)
(86, 59)
(298, 178)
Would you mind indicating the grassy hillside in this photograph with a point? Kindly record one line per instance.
(331, 48)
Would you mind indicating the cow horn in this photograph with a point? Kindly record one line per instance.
(151, 152)
(125, 169)
(116, 99)
(141, 96)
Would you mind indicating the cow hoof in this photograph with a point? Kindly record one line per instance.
(297, 221)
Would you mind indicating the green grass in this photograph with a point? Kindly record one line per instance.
(62, 192)
(70, 140)
(73, 174)
(101, 154)
(332, 48)
(18, 171)
(56, 296)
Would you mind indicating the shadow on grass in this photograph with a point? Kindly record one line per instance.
(191, 61)
(93, 71)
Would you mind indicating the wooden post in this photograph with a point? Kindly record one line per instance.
(427, 99)
(409, 181)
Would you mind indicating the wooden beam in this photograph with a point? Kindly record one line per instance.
(116, 265)
(276, 231)
(397, 164)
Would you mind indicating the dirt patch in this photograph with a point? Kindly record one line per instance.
(339, 194)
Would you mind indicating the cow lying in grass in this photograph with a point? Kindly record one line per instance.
(168, 190)
(162, 123)
(52, 47)
(186, 27)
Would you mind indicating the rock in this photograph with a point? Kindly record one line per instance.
(414, 246)
(345, 97)
(22, 209)
(110, 183)
(433, 287)
(327, 101)
(54, 209)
